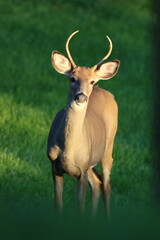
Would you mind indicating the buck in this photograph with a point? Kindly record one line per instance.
(82, 134)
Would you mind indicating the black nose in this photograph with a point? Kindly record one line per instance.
(80, 98)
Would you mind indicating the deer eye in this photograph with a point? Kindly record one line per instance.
(92, 82)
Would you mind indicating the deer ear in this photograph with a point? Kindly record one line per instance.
(107, 70)
(60, 63)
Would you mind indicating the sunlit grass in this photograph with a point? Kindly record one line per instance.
(31, 93)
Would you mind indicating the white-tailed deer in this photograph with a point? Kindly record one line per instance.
(82, 134)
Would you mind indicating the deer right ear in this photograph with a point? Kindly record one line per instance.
(107, 70)
(60, 63)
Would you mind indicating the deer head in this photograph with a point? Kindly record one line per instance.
(82, 79)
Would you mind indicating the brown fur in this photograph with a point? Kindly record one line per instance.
(82, 134)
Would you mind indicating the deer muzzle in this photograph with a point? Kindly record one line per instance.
(80, 98)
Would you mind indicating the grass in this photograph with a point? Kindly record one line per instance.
(31, 93)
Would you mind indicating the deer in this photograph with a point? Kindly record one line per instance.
(82, 133)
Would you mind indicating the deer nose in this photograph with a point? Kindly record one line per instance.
(80, 98)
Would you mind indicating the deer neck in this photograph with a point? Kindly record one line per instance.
(74, 123)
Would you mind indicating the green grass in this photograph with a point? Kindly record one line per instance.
(31, 93)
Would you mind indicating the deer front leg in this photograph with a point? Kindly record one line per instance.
(106, 194)
(58, 188)
(106, 165)
(81, 187)
(95, 183)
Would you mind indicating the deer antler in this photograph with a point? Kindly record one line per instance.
(107, 55)
(67, 49)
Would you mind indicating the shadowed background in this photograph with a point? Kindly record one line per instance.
(31, 93)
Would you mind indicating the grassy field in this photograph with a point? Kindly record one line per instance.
(31, 93)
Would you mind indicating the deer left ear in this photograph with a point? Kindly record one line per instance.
(60, 63)
(107, 70)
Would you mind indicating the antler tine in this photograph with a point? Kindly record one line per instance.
(67, 49)
(109, 52)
